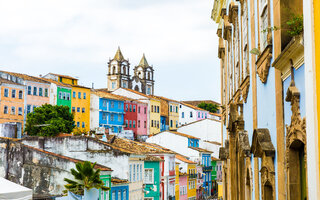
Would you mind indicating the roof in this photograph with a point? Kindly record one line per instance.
(2, 80)
(163, 98)
(183, 174)
(64, 76)
(200, 149)
(26, 77)
(153, 158)
(115, 180)
(198, 121)
(118, 56)
(214, 159)
(105, 94)
(177, 133)
(159, 147)
(139, 93)
(197, 102)
(143, 62)
(192, 106)
(133, 146)
(213, 142)
(97, 166)
(56, 82)
(184, 159)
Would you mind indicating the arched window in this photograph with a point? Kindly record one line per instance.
(113, 69)
(124, 70)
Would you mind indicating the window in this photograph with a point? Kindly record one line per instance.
(6, 92)
(13, 110)
(84, 95)
(104, 116)
(151, 123)
(20, 94)
(112, 104)
(79, 95)
(134, 173)
(130, 108)
(119, 105)
(182, 115)
(130, 124)
(152, 108)
(5, 109)
(113, 85)
(46, 92)
(74, 94)
(198, 114)
(176, 124)
(145, 124)
(68, 96)
(83, 125)
(139, 109)
(176, 109)
(104, 103)
(35, 91)
(124, 195)
(263, 24)
(171, 123)
(64, 96)
(138, 123)
(20, 111)
(78, 109)
(60, 95)
(190, 114)
(130, 173)
(28, 109)
(114, 195)
(73, 109)
(140, 171)
(205, 115)
(83, 110)
(60, 79)
(158, 109)
(170, 108)
(126, 123)
(119, 118)
(78, 124)
(148, 176)
(149, 89)
(13, 93)
(40, 92)
(119, 195)
(112, 117)
(134, 124)
(134, 108)
(29, 90)
(145, 110)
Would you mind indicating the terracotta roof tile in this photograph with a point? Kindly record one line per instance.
(115, 181)
(26, 77)
(184, 159)
(200, 149)
(214, 159)
(163, 98)
(2, 80)
(105, 94)
(177, 133)
(64, 76)
(56, 82)
(213, 142)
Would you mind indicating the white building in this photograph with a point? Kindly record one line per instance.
(189, 113)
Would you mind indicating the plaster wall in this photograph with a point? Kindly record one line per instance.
(36, 99)
(184, 115)
(94, 111)
(53, 94)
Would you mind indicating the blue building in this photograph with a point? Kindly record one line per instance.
(163, 126)
(110, 111)
(119, 189)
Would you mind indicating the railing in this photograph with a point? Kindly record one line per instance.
(207, 168)
(192, 175)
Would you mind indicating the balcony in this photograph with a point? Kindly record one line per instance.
(207, 168)
(192, 176)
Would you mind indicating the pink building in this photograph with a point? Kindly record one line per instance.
(183, 183)
(142, 120)
(202, 114)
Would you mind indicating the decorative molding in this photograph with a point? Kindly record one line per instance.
(221, 48)
(267, 177)
(245, 85)
(263, 63)
(227, 29)
(233, 12)
(262, 144)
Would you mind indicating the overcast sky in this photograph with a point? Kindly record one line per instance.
(77, 38)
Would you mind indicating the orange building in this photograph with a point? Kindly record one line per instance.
(12, 97)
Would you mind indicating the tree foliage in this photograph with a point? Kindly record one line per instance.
(209, 107)
(49, 120)
(86, 177)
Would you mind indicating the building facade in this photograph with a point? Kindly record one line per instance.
(263, 99)
(189, 113)
(152, 178)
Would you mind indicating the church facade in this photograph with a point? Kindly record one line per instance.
(119, 75)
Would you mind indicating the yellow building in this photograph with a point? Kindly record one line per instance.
(177, 186)
(173, 115)
(80, 101)
(192, 181)
(154, 116)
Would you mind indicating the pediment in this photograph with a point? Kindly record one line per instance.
(261, 143)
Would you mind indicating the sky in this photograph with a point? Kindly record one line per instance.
(78, 37)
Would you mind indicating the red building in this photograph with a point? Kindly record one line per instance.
(135, 117)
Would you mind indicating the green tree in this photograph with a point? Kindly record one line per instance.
(86, 177)
(49, 120)
(209, 107)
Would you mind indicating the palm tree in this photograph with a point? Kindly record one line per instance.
(86, 177)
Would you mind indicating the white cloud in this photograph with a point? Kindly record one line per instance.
(72, 36)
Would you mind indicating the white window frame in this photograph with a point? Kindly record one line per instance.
(152, 175)
(263, 15)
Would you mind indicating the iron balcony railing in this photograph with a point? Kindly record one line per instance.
(192, 175)
(207, 168)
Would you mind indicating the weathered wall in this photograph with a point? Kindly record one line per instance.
(85, 148)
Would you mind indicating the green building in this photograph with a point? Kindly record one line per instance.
(64, 96)
(106, 178)
(152, 177)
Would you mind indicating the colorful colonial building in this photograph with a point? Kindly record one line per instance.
(189, 113)
(263, 99)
